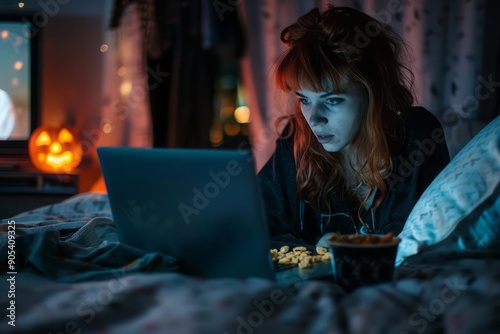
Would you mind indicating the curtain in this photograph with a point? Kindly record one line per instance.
(456, 78)
(125, 115)
(182, 41)
(447, 39)
(264, 20)
(181, 105)
(125, 118)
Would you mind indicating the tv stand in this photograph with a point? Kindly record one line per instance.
(22, 187)
(13, 162)
(8, 167)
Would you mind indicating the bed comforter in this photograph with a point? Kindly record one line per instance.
(71, 275)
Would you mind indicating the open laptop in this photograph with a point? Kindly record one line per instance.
(201, 206)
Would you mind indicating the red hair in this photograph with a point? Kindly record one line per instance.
(344, 50)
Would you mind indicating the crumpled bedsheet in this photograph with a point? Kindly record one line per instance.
(77, 278)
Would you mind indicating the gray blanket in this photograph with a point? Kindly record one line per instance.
(73, 276)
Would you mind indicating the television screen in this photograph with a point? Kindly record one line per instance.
(18, 81)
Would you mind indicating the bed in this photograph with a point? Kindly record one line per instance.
(71, 274)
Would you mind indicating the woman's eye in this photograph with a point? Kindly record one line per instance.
(304, 101)
(334, 101)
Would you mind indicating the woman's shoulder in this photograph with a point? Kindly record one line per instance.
(423, 131)
(420, 123)
(419, 118)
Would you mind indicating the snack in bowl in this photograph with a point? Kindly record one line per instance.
(360, 260)
(299, 256)
(363, 239)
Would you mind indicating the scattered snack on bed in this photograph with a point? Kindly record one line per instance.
(299, 256)
(363, 239)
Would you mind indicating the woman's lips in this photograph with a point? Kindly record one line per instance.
(324, 139)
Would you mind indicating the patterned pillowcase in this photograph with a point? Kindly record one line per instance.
(460, 208)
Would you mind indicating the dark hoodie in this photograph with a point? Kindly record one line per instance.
(419, 160)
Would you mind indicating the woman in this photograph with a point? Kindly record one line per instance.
(355, 156)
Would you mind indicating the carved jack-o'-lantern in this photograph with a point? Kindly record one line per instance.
(54, 150)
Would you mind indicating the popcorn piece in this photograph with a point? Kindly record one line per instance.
(306, 263)
(300, 256)
(321, 250)
(284, 249)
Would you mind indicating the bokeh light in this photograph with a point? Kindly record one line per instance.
(242, 114)
(18, 65)
(231, 129)
(122, 71)
(125, 88)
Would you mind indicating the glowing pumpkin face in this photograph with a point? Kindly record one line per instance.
(54, 150)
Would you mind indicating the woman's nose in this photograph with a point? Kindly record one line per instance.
(317, 117)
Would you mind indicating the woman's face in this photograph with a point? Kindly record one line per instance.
(335, 119)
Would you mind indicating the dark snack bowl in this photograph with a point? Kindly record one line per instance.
(359, 264)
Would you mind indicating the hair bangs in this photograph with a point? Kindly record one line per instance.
(306, 66)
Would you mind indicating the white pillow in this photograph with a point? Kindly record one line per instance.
(461, 206)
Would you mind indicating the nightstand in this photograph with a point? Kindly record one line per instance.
(25, 188)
